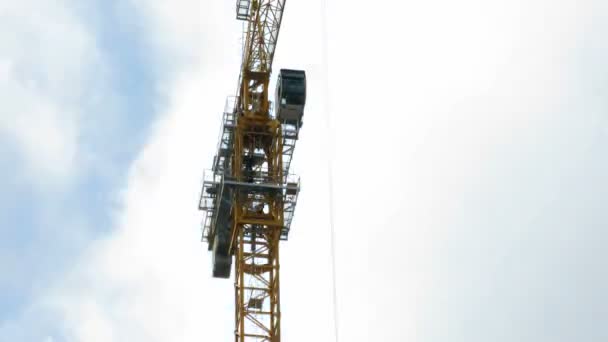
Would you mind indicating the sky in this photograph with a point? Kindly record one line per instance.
(467, 148)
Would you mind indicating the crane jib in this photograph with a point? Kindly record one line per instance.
(263, 22)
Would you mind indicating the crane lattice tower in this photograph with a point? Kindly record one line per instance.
(249, 196)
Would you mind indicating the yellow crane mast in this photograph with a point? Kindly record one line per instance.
(249, 196)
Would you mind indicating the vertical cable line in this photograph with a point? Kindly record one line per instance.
(330, 156)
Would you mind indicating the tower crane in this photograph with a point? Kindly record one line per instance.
(248, 195)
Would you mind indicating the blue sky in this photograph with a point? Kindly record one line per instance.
(86, 84)
(468, 142)
(47, 226)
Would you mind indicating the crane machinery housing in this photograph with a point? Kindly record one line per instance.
(249, 196)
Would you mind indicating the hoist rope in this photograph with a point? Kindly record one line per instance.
(330, 156)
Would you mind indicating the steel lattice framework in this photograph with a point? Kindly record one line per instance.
(257, 230)
(250, 179)
(262, 32)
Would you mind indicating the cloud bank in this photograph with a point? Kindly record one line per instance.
(468, 173)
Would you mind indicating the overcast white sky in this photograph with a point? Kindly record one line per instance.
(469, 148)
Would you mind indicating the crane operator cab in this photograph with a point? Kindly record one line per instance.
(290, 96)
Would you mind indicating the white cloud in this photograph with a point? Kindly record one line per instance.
(461, 155)
(148, 280)
(46, 133)
(190, 32)
(46, 57)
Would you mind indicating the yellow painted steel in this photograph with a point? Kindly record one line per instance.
(258, 217)
(262, 33)
(258, 220)
(254, 181)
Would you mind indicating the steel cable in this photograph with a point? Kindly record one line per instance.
(330, 156)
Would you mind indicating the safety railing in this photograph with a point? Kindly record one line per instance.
(214, 183)
(226, 137)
